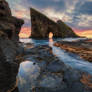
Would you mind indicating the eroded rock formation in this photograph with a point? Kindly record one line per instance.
(42, 26)
(9, 28)
(8, 23)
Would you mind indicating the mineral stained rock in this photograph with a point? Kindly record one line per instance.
(9, 28)
(83, 48)
(42, 26)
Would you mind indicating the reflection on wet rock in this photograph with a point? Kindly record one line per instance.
(45, 72)
(28, 74)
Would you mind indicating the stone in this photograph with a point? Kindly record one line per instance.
(42, 26)
(54, 75)
(9, 49)
(4, 9)
(8, 23)
(82, 48)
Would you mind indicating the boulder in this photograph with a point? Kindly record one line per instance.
(4, 9)
(9, 49)
(42, 26)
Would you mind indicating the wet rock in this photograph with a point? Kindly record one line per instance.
(83, 48)
(56, 67)
(42, 26)
(54, 75)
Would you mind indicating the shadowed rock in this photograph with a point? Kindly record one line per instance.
(42, 26)
(8, 23)
(9, 49)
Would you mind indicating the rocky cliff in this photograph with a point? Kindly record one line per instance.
(9, 28)
(42, 26)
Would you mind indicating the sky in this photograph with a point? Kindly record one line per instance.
(75, 13)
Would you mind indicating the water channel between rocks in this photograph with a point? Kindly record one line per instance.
(28, 72)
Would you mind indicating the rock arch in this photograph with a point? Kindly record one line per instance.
(42, 25)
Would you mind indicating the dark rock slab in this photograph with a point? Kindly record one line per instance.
(9, 49)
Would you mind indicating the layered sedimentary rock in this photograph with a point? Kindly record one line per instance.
(82, 47)
(9, 28)
(42, 26)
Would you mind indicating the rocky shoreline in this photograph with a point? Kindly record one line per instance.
(53, 71)
(83, 48)
(54, 75)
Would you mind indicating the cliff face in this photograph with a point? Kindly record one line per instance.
(42, 26)
(9, 28)
(9, 24)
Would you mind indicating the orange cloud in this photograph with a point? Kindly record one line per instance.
(24, 14)
(86, 33)
(19, 14)
(25, 32)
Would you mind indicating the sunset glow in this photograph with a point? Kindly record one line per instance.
(76, 13)
(50, 35)
(85, 33)
(25, 32)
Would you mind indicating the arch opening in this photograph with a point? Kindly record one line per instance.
(50, 35)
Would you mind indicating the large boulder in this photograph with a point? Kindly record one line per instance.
(9, 49)
(42, 26)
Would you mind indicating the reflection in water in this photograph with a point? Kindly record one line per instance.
(28, 74)
(51, 41)
(73, 60)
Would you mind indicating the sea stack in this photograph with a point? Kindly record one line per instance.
(42, 26)
(9, 49)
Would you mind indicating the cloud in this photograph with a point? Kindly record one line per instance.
(81, 15)
(84, 7)
(58, 5)
(75, 13)
(85, 21)
(51, 13)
